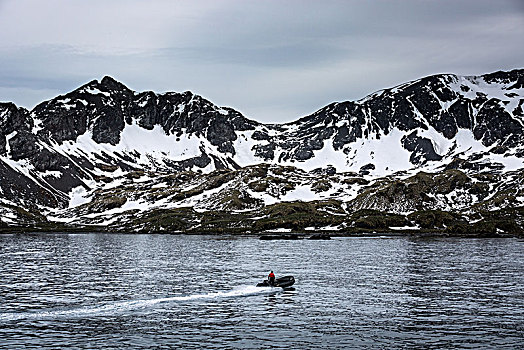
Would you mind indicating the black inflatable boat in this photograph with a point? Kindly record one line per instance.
(284, 282)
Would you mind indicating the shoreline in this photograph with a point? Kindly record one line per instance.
(266, 235)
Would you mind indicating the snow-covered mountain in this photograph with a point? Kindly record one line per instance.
(103, 152)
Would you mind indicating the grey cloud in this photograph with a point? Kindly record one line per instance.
(296, 54)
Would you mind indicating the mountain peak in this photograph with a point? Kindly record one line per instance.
(112, 84)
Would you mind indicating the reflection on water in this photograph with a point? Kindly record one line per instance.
(149, 291)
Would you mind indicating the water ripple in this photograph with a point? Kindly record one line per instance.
(155, 291)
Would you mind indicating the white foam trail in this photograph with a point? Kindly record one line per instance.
(122, 306)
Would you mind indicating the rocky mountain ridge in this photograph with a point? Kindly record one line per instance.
(103, 156)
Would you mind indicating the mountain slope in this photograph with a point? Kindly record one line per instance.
(103, 151)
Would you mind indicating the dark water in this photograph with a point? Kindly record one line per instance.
(159, 291)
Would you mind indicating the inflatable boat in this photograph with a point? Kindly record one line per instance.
(284, 282)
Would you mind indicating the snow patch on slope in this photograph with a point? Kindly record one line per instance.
(95, 91)
(243, 145)
(151, 145)
(300, 193)
(78, 196)
(386, 153)
(157, 142)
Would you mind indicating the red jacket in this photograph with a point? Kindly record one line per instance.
(271, 275)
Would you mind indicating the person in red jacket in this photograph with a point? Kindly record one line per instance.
(271, 278)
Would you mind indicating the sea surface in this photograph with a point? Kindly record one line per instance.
(112, 291)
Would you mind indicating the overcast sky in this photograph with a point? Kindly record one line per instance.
(274, 61)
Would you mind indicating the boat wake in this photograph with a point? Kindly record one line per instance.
(120, 307)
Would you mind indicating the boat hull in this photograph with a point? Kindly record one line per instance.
(284, 282)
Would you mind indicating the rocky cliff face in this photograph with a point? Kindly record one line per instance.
(430, 117)
(64, 160)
